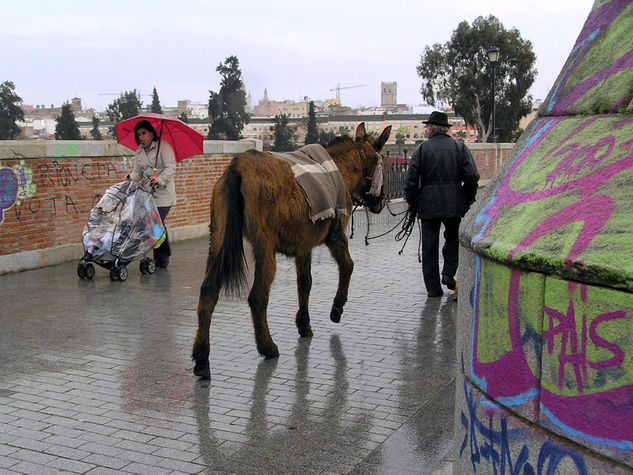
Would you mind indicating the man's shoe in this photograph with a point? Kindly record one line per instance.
(436, 293)
(449, 281)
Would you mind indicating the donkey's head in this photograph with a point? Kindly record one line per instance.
(373, 194)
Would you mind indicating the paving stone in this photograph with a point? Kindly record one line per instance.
(99, 381)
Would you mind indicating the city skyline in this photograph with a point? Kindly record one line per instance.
(54, 52)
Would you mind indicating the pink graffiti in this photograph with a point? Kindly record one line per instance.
(598, 22)
(567, 177)
(583, 169)
(620, 64)
(510, 374)
(595, 211)
(572, 351)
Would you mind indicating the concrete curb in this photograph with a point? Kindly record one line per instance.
(51, 256)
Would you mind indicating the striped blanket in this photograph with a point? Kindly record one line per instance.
(320, 180)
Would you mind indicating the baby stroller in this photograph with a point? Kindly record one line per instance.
(122, 226)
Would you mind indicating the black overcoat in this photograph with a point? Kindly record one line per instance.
(442, 178)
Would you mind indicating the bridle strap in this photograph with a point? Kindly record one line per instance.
(360, 155)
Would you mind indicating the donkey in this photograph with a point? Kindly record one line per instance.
(258, 198)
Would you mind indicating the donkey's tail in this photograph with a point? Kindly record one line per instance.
(228, 265)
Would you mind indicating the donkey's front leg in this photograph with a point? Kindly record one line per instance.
(303, 264)
(340, 253)
(265, 266)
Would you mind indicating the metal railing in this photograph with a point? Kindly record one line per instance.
(394, 179)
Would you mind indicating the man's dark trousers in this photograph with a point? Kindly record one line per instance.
(430, 251)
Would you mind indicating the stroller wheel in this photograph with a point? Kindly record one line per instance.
(143, 266)
(81, 270)
(122, 273)
(151, 265)
(114, 273)
(89, 271)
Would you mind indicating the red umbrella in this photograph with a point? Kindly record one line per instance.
(183, 139)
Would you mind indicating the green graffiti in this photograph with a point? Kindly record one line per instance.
(67, 150)
(494, 335)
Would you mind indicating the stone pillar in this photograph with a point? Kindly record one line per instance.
(545, 304)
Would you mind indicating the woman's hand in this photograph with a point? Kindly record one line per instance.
(153, 180)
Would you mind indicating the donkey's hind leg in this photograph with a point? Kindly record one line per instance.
(303, 264)
(265, 267)
(209, 291)
(340, 253)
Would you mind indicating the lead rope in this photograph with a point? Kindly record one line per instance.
(407, 222)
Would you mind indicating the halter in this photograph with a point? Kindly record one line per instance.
(375, 177)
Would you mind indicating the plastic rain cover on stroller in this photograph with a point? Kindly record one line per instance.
(123, 225)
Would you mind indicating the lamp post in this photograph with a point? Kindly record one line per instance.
(493, 57)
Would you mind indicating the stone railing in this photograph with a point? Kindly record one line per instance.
(47, 189)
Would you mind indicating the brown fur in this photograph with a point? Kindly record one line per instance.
(258, 198)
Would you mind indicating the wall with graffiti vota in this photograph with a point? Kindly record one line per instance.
(545, 337)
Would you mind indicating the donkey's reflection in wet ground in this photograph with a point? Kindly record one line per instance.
(320, 420)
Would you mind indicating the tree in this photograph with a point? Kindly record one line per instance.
(184, 118)
(400, 141)
(95, 132)
(10, 111)
(156, 108)
(326, 137)
(460, 73)
(312, 134)
(343, 130)
(66, 127)
(127, 105)
(227, 108)
(283, 134)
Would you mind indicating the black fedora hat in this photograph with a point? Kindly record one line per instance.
(438, 118)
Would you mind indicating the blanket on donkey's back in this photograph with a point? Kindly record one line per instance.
(320, 180)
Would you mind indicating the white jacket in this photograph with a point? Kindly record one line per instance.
(144, 163)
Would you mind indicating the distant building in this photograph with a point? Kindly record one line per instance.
(389, 95)
(40, 121)
(409, 125)
(193, 111)
(266, 108)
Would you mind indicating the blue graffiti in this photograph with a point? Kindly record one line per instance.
(493, 446)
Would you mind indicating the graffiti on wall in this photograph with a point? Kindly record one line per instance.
(59, 185)
(571, 179)
(597, 75)
(495, 447)
(560, 349)
(563, 346)
(16, 185)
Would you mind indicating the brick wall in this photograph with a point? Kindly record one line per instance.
(48, 188)
(489, 157)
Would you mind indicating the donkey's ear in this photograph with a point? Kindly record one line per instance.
(361, 133)
(382, 140)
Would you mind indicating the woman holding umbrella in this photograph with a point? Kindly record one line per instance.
(155, 162)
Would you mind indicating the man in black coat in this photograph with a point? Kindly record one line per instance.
(441, 182)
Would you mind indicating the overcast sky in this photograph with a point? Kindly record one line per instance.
(56, 50)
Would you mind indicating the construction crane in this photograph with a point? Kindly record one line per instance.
(338, 90)
(118, 94)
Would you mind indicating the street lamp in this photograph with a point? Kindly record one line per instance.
(493, 57)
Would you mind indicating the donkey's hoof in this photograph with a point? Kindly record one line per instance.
(202, 370)
(335, 314)
(270, 353)
(306, 332)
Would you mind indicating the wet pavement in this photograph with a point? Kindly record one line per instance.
(95, 376)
